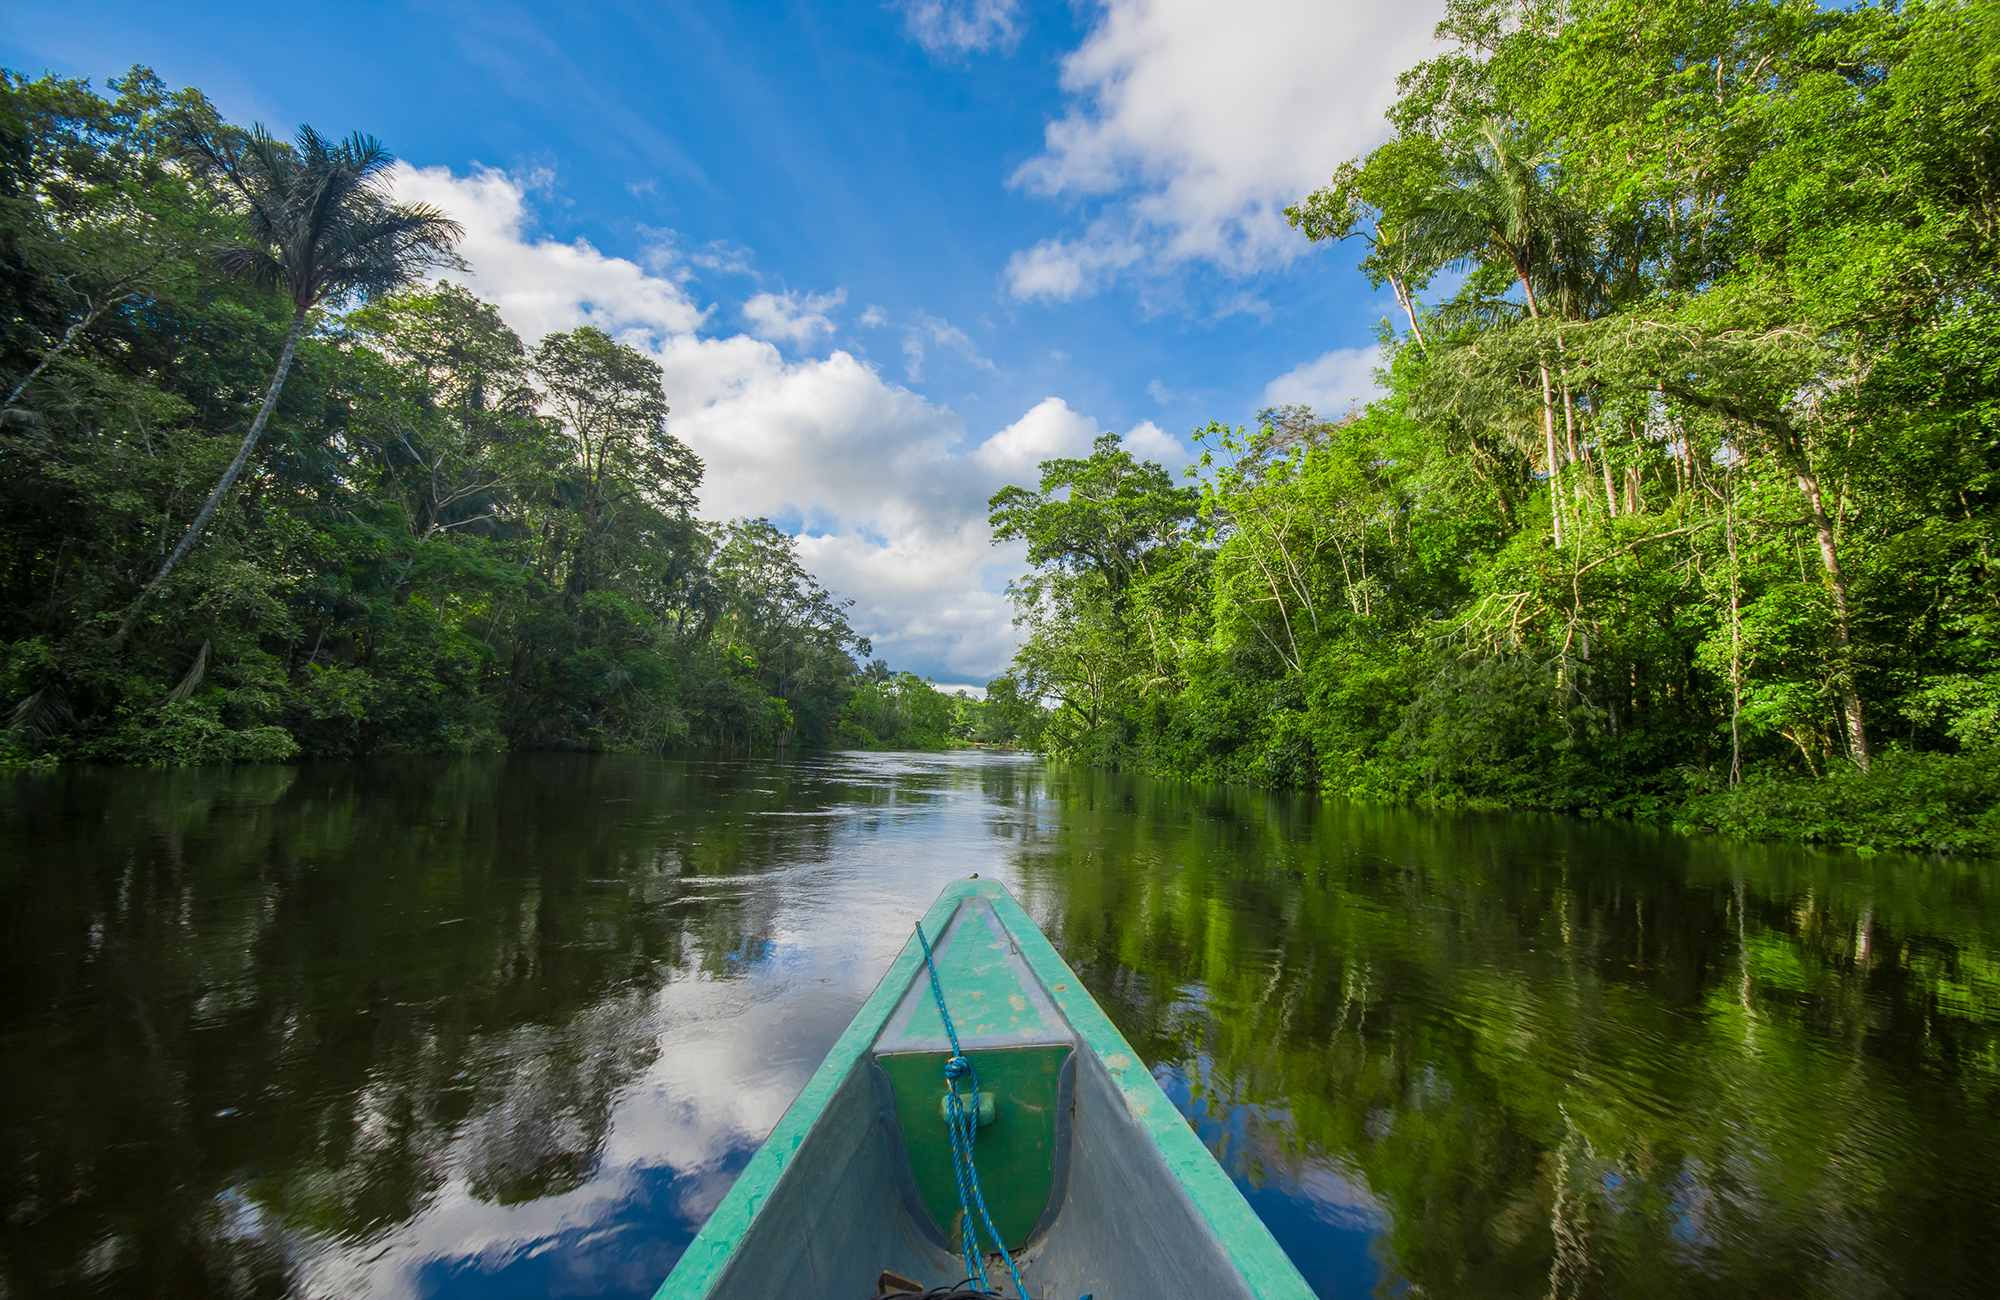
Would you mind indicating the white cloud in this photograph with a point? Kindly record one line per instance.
(1148, 441)
(919, 598)
(891, 489)
(791, 318)
(1330, 383)
(1051, 429)
(961, 26)
(541, 285)
(1063, 269)
(1193, 124)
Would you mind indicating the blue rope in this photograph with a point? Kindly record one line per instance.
(964, 1126)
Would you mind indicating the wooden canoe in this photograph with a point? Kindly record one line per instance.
(1089, 1173)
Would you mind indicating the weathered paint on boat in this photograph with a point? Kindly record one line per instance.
(1092, 1176)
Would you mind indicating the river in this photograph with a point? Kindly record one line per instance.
(509, 1027)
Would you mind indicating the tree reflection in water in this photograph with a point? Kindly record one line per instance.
(1563, 1058)
(511, 1026)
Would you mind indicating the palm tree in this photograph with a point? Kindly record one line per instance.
(1495, 204)
(322, 228)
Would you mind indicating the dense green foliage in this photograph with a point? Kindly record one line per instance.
(442, 537)
(904, 711)
(1686, 469)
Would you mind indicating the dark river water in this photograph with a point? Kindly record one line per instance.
(510, 1027)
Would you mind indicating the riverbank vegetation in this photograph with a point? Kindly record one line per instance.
(270, 490)
(904, 711)
(1681, 497)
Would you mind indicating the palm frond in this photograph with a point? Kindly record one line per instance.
(195, 673)
(40, 716)
(366, 155)
(320, 218)
(243, 262)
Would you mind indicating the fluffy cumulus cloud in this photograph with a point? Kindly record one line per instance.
(1193, 124)
(1329, 383)
(544, 285)
(890, 488)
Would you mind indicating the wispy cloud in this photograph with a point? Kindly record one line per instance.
(961, 26)
(665, 254)
(936, 331)
(720, 256)
(1061, 269)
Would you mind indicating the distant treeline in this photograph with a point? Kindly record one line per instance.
(1682, 498)
(268, 490)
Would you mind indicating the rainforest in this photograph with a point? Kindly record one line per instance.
(434, 536)
(1679, 500)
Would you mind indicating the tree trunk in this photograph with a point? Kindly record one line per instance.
(1785, 443)
(69, 337)
(1735, 643)
(1548, 417)
(228, 476)
(1843, 648)
(1408, 304)
(1554, 456)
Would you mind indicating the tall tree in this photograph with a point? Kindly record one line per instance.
(1108, 514)
(1496, 205)
(321, 227)
(454, 426)
(607, 398)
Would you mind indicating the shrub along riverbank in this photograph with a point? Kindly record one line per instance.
(1681, 499)
(267, 492)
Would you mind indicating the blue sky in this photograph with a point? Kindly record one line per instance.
(889, 255)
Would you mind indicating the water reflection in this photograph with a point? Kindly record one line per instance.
(512, 1026)
(1563, 1059)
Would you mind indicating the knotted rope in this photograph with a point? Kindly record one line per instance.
(963, 1121)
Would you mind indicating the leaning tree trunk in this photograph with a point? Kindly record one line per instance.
(1409, 305)
(62, 344)
(229, 475)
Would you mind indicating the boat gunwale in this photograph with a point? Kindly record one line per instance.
(1265, 1268)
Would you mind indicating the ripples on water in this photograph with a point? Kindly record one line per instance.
(510, 1027)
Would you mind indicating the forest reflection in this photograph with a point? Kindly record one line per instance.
(1563, 1058)
(511, 1026)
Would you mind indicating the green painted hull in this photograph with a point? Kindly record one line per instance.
(1090, 1173)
